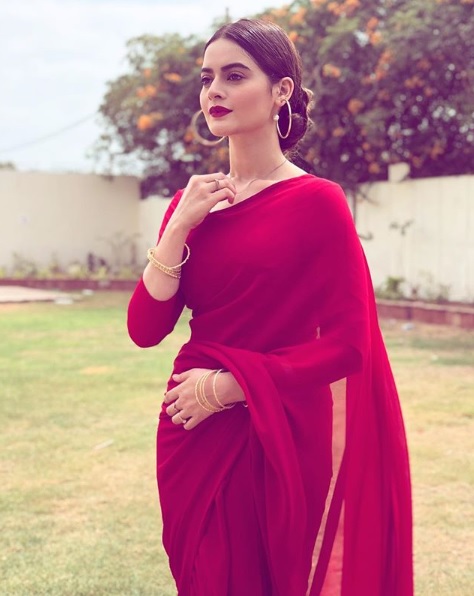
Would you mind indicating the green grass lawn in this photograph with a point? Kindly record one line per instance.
(78, 504)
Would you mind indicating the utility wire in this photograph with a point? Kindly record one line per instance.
(49, 136)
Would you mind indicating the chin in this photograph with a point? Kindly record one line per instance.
(219, 131)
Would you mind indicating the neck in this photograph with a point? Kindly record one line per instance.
(252, 158)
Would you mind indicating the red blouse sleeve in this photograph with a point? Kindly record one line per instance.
(149, 321)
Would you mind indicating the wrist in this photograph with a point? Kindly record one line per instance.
(177, 229)
(228, 390)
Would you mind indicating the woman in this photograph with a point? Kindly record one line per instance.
(262, 492)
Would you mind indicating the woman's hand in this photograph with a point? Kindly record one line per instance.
(201, 194)
(184, 409)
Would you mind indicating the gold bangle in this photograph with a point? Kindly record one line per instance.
(209, 406)
(174, 270)
(214, 392)
(199, 392)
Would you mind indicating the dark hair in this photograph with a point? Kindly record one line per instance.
(276, 55)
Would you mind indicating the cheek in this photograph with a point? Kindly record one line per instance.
(202, 97)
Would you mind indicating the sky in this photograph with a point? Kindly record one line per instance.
(57, 56)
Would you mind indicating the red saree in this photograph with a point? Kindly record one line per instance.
(308, 489)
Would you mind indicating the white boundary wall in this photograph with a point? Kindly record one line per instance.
(436, 251)
(66, 215)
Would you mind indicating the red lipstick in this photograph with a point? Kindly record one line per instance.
(219, 111)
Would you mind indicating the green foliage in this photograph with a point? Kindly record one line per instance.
(393, 81)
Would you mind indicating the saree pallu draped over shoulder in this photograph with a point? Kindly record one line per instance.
(306, 491)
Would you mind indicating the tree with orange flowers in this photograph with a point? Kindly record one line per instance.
(146, 113)
(393, 81)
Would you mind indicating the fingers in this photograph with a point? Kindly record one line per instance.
(221, 187)
(170, 396)
(202, 193)
(179, 419)
(173, 409)
(175, 412)
(173, 394)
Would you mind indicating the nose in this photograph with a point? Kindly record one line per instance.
(214, 91)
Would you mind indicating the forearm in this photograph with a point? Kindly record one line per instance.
(169, 252)
(150, 320)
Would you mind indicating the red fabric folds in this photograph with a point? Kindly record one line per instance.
(256, 501)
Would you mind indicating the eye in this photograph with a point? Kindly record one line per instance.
(235, 76)
(206, 81)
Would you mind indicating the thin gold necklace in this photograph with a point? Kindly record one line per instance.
(261, 178)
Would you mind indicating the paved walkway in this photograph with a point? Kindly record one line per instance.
(15, 294)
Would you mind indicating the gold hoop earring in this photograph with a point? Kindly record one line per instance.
(277, 118)
(197, 136)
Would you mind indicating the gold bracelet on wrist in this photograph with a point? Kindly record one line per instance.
(214, 392)
(200, 394)
(172, 271)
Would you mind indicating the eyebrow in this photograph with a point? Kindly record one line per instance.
(227, 67)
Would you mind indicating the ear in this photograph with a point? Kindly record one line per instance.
(283, 89)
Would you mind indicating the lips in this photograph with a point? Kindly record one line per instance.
(219, 111)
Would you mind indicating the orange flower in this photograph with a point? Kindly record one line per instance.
(172, 77)
(144, 122)
(386, 57)
(372, 23)
(141, 92)
(293, 35)
(330, 70)
(413, 82)
(350, 6)
(147, 73)
(189, 136)
(298, 17)
(335, 8)
(375, 37)
(374, 168)
(355, 105)
(150, 90)
(338, 132)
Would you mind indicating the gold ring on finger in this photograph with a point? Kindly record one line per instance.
(175, 408)
(218, 184)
